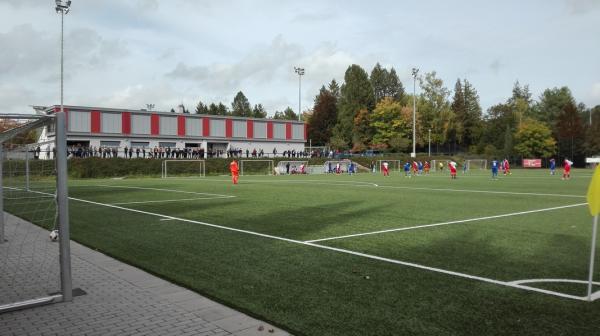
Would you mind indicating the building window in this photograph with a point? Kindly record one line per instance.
(114, 144)
(111, 122)
(140, 144)
(166, 144)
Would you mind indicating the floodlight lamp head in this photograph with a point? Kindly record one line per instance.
(62, 7)
(415, 71)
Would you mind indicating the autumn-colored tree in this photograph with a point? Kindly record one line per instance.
(533, 139)
(389, 123)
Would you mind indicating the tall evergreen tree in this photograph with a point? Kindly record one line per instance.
(356, 94)
(324, 118)
(394, 87)
(201, 108)
(379, 78)
(287, 114)
(259, 111)
(471, 125)
(213, 109)
(334, 88)
(240, 107)
(222, 109)
(570, 132)
(459, 108)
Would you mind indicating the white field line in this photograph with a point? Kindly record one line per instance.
(174, 200)
(366, 184)
(364, 255)
(520, 282)
(158, 189)
(483, 191)
(446, 223)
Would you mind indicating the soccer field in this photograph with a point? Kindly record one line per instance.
(362, 254)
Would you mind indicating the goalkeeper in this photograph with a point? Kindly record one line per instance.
(235, 171)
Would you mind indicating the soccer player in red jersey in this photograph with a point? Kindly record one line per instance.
(235, 171)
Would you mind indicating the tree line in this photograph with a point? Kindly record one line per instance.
(375, 112)
(241, 107)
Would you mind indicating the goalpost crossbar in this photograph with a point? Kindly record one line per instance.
(270, 165)
(201, 172)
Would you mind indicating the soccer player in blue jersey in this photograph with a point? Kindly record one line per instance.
(552, 166)
(407, 169)
(494, 169)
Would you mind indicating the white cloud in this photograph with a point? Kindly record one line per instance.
(595, 92)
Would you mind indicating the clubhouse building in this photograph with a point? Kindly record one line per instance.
(97, 127)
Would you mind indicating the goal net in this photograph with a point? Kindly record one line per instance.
(291, 167)
(34, 268)
(476, 164)
(330, 167)
(183, 168)
(439, 165)
(393, 165)
(256, 167)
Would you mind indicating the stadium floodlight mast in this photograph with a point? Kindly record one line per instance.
(300, 72)
(149, 107)
(63, 8)
(415, 71)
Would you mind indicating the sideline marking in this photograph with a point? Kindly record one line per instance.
(368, 256)
(366, 184)
(446, 223)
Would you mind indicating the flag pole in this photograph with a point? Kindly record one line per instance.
(592, 256)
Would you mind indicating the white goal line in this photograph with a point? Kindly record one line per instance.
(359, 254)
(446, 223)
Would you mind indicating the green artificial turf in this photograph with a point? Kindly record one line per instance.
(309, 290)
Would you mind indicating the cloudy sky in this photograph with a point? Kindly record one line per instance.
(127, 53)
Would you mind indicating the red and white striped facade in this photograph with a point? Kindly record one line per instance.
(110, 127)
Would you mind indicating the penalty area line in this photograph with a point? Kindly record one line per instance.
(445, 223)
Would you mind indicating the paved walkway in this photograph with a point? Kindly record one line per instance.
(120, 299)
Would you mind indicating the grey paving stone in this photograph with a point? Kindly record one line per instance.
(120, 300)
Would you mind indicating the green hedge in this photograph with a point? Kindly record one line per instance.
(120, 167)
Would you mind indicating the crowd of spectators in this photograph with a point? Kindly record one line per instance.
(178, 153)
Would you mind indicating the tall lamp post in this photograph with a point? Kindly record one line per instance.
(62, 194)
(62, 7)
(300, 72)
(415, 71)
(430, 142)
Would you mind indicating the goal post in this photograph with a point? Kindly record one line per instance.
(291, 167)
(256, 167)
(183, 168)
(34, 269)
(476, 164)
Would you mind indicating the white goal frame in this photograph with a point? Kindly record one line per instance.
(271, 165)
(280, 168)
(393, 165)
(201, 169)
(481, 167)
